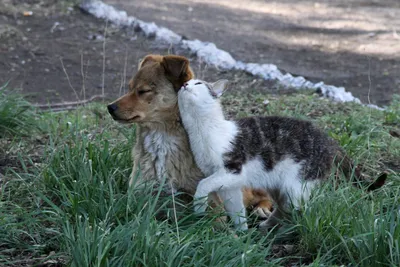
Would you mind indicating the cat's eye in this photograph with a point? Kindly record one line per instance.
(197, 83)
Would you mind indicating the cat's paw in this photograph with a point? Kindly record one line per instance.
(242, 227)
(200, 205)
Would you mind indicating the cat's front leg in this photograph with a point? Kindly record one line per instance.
(233, 202)
(200, 204)
(200, 199)
(213, 183)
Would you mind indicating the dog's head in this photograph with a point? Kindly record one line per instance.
(152, 95)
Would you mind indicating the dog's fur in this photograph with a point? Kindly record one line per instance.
(162, 148)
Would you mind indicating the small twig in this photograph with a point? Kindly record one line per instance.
(123, 74)
(87, 68)
(121, 84)
(104, 57)
(369, 79)
(69, 81)
(170, 49)
(369, 100)
(202, 68)
(54, 110)
(68, 104)
(125, 66)
(83, 77)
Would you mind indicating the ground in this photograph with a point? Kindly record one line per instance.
(350, 43)
(56, 55)
(59, 50)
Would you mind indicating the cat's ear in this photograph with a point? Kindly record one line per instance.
(219, 87)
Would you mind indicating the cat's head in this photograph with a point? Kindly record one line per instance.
(201, 92)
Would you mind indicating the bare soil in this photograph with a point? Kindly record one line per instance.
(57, 54)
(350, 43)
(61, 54)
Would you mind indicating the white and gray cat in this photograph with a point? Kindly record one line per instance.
(285, 156)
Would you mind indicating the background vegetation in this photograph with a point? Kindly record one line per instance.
(64, 198)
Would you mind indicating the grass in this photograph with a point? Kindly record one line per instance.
(64, 197)
(16, 114)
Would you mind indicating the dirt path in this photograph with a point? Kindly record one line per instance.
(343, 42)
(56, 55)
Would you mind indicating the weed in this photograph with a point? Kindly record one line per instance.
(16, 115)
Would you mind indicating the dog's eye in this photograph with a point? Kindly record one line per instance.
(142, 92)
(197, 83)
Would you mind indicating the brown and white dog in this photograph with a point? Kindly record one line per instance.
(162, 146)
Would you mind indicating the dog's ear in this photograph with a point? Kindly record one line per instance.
(177, 70)
(149, 59)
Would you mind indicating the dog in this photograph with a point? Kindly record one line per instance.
(162, 147)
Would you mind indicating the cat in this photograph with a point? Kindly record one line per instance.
(287, 157)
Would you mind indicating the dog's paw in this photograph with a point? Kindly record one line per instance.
(262, 213)
(268, 224)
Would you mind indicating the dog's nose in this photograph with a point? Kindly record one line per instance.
(185, 84)
(111, 108)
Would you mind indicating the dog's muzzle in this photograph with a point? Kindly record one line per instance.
(112, 108)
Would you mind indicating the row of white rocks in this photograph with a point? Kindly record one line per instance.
(209, 53)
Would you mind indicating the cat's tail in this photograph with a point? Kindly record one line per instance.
(346, 165)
